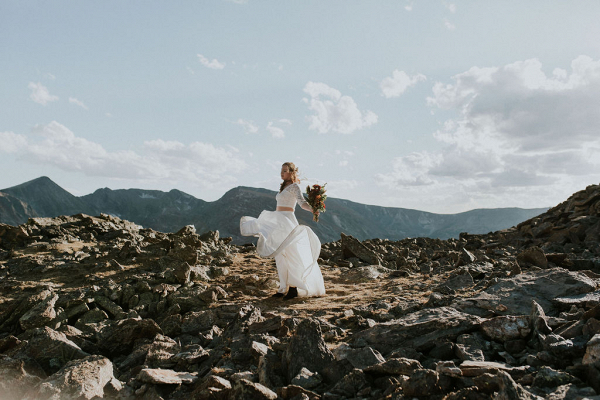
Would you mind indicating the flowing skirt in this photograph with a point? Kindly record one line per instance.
(295, 248)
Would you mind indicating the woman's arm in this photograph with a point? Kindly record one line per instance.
(300, 198)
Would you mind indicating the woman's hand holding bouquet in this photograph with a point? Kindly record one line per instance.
(316, 199)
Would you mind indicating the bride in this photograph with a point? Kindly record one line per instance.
(295, 247)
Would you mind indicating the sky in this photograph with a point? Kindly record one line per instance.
(434, 105)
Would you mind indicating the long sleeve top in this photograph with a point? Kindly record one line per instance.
(291, 195)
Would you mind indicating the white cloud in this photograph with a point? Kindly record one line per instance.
(169, 162)
(343, 163)
(334, 112)
(40, 94)
(275, 131)
(73, 100)
(395, 85)
(10, 142)
(517, 129)
(212, 64)
(449, 25)
(249, 126)
(450, 6)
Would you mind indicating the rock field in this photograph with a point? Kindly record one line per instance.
(97, 307)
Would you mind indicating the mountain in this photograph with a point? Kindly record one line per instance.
(169, 211)
(46, 199)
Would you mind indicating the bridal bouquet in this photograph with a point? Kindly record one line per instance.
(316, 199)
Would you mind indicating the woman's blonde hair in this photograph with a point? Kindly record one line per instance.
(293, 172)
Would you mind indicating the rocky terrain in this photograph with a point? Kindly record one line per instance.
(169, 211)
(98, 307)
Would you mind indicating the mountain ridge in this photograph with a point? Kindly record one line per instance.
(169, 211)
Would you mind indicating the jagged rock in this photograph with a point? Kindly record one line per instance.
(510, 390)
(548, 377)
(505, 328)
(244, 389)
(12, 314)
(307, 379)
(16, 381)
(592, 352)
(270, 370)
(460, 279)
(422, 382)
(359, 358)
(49, 348)
(113, 309)
(78, 379)
(571, 391)
(352, 247)
(465, 257)
(307, 349)
(158, 376)
(420, 329)
(533, 255)
(40, 315)
(352, 384)
(513, 295)
(476, 368)
(394, 366)
(118, 338)
(296, 392)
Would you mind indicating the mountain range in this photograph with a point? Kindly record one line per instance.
(170, 211)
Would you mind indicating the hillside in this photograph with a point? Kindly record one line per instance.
(98, 307)
(167, 212)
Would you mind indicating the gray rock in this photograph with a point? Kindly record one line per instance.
(592, 351)
(547, 377)
(533, 255)
(16, 380)
(50, 349)
(513, 295)
(307, 349)
(40, 315)
(505, 328)
(421, 329)
(351, 384)
(307, 379)
(78, 379)
(244, 389)
(352, 247)
(394, 366)
(510, 390)
(422, 382)
(118, 338)
(158, 376)
(360, 358)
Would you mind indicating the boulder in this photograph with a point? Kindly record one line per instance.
(244, 389)
(39, 315)
(307, 349)
(533, 255)
(118, 338)
(352, 247)
(505, 328)
(420, 330)
(592, 351)
(158, 376)
(78, 379)
(513, 295)
(50, 349)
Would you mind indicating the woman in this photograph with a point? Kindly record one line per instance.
(295, 247)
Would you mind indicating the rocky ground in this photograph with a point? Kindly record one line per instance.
(96, 307)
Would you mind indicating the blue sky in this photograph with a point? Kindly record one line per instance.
(433, 105)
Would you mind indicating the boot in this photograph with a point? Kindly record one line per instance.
(292, 292)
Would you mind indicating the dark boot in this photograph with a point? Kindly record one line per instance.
(278, 295)
(292, 292)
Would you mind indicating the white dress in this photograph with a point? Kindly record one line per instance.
(295, 247)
